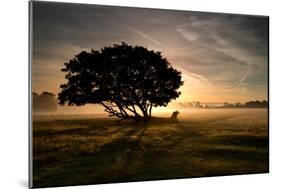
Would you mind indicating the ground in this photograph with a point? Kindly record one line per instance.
(76, 150)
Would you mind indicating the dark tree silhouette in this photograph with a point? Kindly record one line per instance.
(45, 102)
(126, 80)
(256, 104)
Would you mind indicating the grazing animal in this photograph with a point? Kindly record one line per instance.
(174, 115)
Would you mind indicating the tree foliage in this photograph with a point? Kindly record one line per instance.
(126, 80)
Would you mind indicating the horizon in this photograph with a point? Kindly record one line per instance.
(193, 101)
(182, 106)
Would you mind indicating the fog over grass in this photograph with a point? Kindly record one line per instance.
(70, 150)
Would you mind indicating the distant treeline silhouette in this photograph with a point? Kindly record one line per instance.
(45, 102)
(249, 104)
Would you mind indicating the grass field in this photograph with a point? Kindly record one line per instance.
(72, 150)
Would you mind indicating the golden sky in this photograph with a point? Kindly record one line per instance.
(223, 58)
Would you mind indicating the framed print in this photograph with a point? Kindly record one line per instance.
(123, 94)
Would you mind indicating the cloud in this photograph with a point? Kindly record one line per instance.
(146, 36)
(219, 40)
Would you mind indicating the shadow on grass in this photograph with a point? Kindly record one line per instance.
(142, 151)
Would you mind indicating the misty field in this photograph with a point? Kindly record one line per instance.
(87, 149)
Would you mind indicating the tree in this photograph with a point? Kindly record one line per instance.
(45, 102)
(126, 80)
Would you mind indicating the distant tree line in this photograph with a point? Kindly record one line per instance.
(44, 102)
(249, 104)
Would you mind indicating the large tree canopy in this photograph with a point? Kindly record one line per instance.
(126, 80)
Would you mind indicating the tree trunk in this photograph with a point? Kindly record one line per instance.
(112, 110)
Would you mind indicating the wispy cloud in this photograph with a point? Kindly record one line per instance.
(144, 35)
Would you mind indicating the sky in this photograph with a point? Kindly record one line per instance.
(222, 57)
